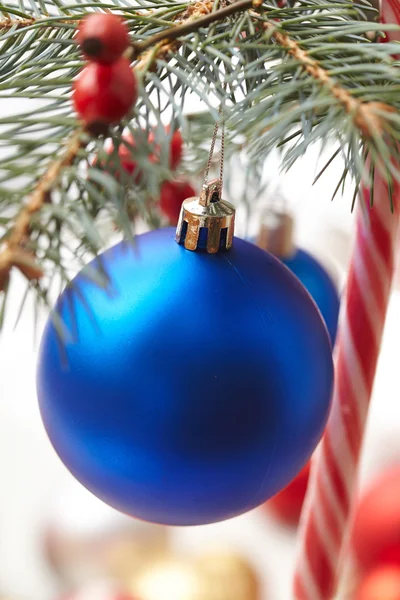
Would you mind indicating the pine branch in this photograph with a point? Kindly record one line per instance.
(13, 253)
(369, 117)
(295, 75)
(365, 115)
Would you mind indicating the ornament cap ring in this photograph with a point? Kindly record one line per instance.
(210, 192)
(206, 223)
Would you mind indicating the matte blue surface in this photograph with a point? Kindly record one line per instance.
(321, 287)
(200, 384)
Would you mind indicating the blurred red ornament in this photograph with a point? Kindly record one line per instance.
(376, 530)
(390, 13)
(172, 194)
(288, 503)
(382, 583)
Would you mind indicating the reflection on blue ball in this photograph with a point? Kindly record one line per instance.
(320, 285)
(198, 385)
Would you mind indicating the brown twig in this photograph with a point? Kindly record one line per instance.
(157, 50)
(193, 22)
(13, 253)
(199, 10)
(17, 23)
(21, 23)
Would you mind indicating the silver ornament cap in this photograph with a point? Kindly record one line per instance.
(206, 223)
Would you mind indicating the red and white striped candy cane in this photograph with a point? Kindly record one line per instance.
(325, 521)
(334, 472)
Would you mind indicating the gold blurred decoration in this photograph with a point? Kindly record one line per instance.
(85, 540)
(118, 554)
(126, 557)
(228, 576)
(169, 579)
(215, 575)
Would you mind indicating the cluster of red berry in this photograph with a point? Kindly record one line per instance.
(106, 88)
(104, 93)
(172, 193)
(127, 148)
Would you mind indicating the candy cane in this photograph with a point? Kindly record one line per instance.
(326, 516)
(334, 472)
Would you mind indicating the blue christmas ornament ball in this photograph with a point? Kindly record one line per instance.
(197, 385)
(319, 284)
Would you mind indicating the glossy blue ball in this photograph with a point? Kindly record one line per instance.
(320, 285)
(199, 385)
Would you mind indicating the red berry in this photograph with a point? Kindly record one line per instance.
(125, 153)
(103, 37)
(175, 147)
(173, 193)
(176, 150)
(105, 93)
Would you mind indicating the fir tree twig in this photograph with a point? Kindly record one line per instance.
(369, 117)
(295, 75)
(194, 22)
(13, 253)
